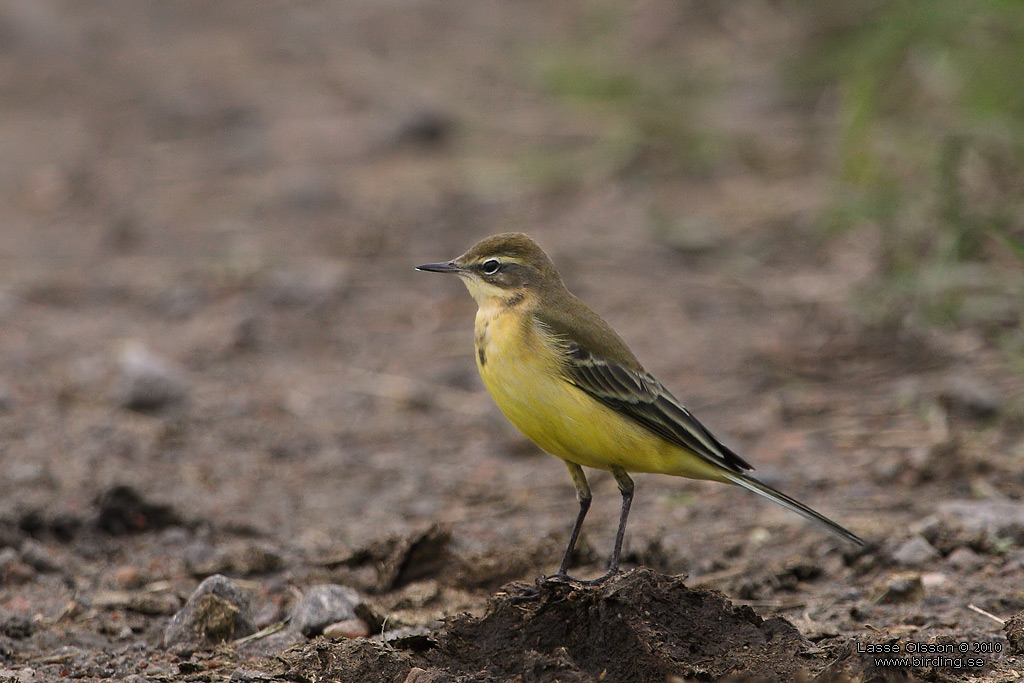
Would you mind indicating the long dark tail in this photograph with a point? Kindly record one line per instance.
(796, 506)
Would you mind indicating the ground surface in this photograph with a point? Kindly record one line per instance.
(241, 193)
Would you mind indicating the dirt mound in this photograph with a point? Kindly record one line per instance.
(639, 626)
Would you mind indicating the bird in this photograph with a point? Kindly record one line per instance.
(570, 384)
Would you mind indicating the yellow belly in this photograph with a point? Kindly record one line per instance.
(520, 371)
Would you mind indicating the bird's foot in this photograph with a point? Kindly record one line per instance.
(562, 577)
(601, 579)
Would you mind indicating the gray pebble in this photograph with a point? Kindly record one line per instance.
(8, 556)
(216, 611)
(902, 589)
(12, 569)
(203, 559)
(965, 558)
(37, 556)
(146, 602)
(349, 628)
(969, 396)
(990, 517)
(915, 552)
(324, 605)
(148, 382)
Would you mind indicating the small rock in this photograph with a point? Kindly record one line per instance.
(216, 617)
(7, 556)
(39, 557)
(216, 611)
(902, 589)
(993, 518)
(323, 605)
(965, 558)
(145, 602)
(127, 576)
(110, 599)
(203, 559)
(968, 396)
(148, 383)
(349, 628)
(929, 526)
(416, 675)
(253, 558)
(12, 570)
(915, 552)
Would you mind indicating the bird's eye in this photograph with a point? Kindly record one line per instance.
(491, 266)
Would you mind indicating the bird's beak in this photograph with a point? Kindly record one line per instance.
(446, 267)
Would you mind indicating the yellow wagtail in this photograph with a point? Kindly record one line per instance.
(567, 381)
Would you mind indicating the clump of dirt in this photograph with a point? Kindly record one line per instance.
(639, 626)
(122, 510)
(1014, 629)
(350, 660)
(399, 560)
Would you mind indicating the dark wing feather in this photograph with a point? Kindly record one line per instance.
(643, 399)
(599, 363)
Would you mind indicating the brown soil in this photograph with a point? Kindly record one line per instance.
(233, 197)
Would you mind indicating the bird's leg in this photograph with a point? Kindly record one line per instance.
(626, 489)
(583, 495)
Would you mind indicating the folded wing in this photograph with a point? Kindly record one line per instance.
(643, 399)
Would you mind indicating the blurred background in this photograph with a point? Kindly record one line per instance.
(807, 218)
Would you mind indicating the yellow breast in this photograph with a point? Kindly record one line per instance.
(520, 366)
(521, 374)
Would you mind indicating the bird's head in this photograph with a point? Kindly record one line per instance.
(505, 267)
